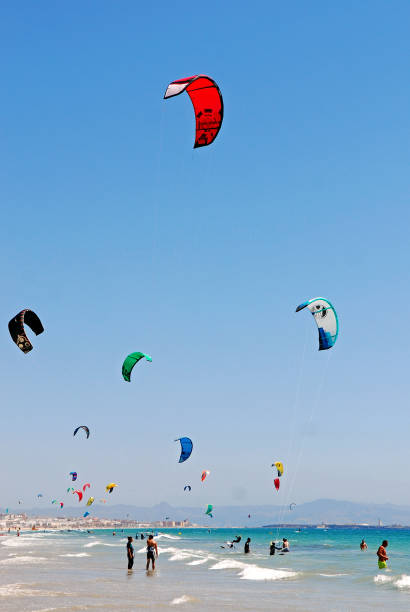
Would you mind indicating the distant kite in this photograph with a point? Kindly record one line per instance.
(204, 474)
(186, 448)
(276, 482)
(279, 466)
(86, 486)
(85, 514)
(187, 487)
(90, 501)
(326, 321)
(87, 431)
(80, 495)
(61, 505)
(17, 331)
(130, 362)
(73, 476)
(208, 511)
(110, 487)
(208, 105)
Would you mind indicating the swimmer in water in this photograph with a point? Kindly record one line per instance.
(363, 545)
(381, 553)
(152, 551)
(285, 546)
(130, 553)
(246, 549)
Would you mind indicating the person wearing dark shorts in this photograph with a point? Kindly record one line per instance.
(130, 553)
(152, 551)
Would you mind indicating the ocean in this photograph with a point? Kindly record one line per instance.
(325, 571)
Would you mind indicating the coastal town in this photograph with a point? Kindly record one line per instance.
(23, 522)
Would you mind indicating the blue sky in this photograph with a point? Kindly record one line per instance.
(123, 238)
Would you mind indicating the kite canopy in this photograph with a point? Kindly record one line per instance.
(292, 505)
(90, 501)
(326, 321)
(80, 495)
(209, 510)
(39, 495)
(17, 331)
(54, 501)
(87, 431)
(208, 105)
(61, 505)
(130, 362)
(279, 466)
(86, 486)
(70, 489)
(110, 487)
(73, 476)
(85, 514)
(276, 482)
(204, 474)
(186, 448)
(187, 487)
(104, 501)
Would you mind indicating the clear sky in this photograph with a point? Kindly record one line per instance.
(123, 238)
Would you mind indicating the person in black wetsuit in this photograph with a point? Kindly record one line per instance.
(152, 551)
(142, 536)
(130, 553)
(247, 545)
(237, 540)
(272, 548)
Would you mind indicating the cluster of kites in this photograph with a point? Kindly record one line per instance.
(207, 102)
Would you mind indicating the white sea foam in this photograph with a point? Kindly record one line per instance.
(15, 542)
(21, 590)
(229, 564)
(91, 544)
(75, 555)
(403, 582)
(201, 561)
(181, 600)
(26, 590)
(332, 575)
(22, 560)
(253, 572)
(168, 536)
(382, 578)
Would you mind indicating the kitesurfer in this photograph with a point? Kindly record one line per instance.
(130, 553)
(152, 551)
(237, 539)
(272, 548)
(142, 536)
(246, 549)
(381, 553)
(285, 546)
(363, 545)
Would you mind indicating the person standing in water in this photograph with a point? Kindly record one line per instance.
(152, 551)
(363, 545)
(381, 553)
(246, 549)
(130, 553)
(285, 545)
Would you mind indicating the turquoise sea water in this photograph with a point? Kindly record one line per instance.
(324, 571)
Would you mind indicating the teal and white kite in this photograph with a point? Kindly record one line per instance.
(326, 321)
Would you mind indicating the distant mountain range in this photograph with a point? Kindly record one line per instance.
(322, 510)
